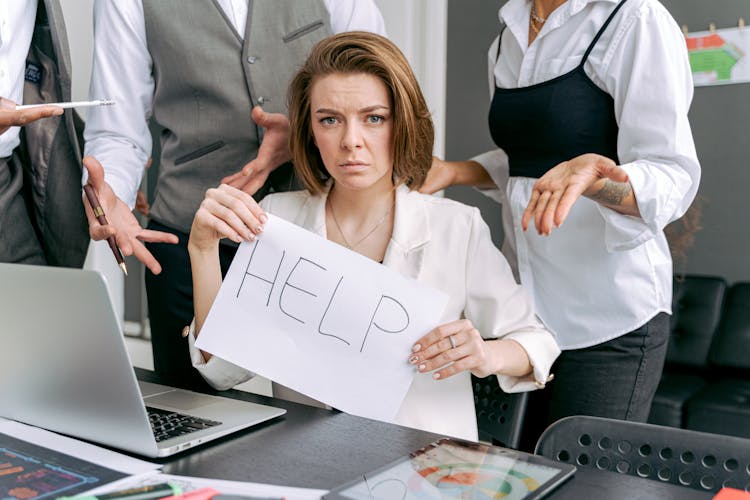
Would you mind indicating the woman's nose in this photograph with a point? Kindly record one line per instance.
(352, 137)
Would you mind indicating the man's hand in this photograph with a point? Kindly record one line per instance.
(273, 151)
(121, 221)
(11, 117)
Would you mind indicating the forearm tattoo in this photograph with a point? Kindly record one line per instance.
(612, 193)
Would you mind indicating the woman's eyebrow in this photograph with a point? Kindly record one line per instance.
(367, 109)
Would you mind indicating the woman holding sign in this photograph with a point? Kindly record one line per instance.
(361, 140)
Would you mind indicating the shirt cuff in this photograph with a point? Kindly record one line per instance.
(495, 162)
(542, 350)
(659, 203)
(219, 373)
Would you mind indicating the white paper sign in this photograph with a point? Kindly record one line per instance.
(322, 320)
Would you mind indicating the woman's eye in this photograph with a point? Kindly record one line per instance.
(328, 120)
(375, 119)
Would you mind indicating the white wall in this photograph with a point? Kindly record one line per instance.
(419, 28)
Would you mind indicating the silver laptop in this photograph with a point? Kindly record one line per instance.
(64, 367)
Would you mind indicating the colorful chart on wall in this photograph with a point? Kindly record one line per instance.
(30, 472)
(720, 57)
(450, 469)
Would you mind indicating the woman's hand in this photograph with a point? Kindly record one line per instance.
(440, 176)
(443, 174)
(225, 212)
(467, 350)
(591, 175)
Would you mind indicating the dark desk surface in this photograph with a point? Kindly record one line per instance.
(315, 448)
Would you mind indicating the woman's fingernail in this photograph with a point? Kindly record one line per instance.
(263, 218)
(436, 376)
(250, 236)
(413, 359)
(421, 368)
(258, 229)
(416, 348)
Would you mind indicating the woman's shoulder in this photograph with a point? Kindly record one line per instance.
(645, 10)
(444, 211)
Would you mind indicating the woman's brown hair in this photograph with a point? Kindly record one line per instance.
(371, 54)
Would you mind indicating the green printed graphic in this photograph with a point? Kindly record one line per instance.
(719, 61)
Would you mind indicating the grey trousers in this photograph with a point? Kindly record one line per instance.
(19, 242)
(615, 379)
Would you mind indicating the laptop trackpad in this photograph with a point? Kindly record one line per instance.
(180, 400)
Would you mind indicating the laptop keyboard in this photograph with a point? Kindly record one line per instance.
(167, 424)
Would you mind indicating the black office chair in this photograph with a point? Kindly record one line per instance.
(697, 460)
(499, 414)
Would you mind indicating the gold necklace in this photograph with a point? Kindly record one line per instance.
(351, 246)
(535, 19)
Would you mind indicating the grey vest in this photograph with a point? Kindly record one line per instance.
(206, 83)
(50, 153)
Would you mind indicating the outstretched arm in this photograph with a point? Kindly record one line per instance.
(444, 174)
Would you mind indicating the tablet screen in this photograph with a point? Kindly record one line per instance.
(455, 469)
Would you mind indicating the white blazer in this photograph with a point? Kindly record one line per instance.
(447, 245)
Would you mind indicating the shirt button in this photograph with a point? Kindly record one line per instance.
(261, 99)
(252, 59)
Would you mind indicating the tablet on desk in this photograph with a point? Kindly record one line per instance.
(450, 468)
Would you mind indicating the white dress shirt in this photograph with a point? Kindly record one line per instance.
(118, 136)
(603, 274)
(16, 28)
(447, 245)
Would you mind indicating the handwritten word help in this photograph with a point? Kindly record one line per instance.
(311, 294)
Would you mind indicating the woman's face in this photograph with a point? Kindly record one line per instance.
(353, 129)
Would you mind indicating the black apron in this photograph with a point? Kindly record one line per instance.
(551, 122)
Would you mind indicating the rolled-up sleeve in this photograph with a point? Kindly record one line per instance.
(219, 373)
(652, 86)
(501, 309)
(495, 162)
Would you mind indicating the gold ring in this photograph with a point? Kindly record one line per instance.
(453, 342)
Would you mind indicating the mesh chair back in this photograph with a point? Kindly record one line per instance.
(499, 414)
(683, 457)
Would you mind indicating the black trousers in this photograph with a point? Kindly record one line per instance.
(616, 379)
(170, 308)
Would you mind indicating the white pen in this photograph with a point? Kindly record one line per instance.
(74, 104)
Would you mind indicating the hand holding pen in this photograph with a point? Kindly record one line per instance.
(122, 225)
(96, 207)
